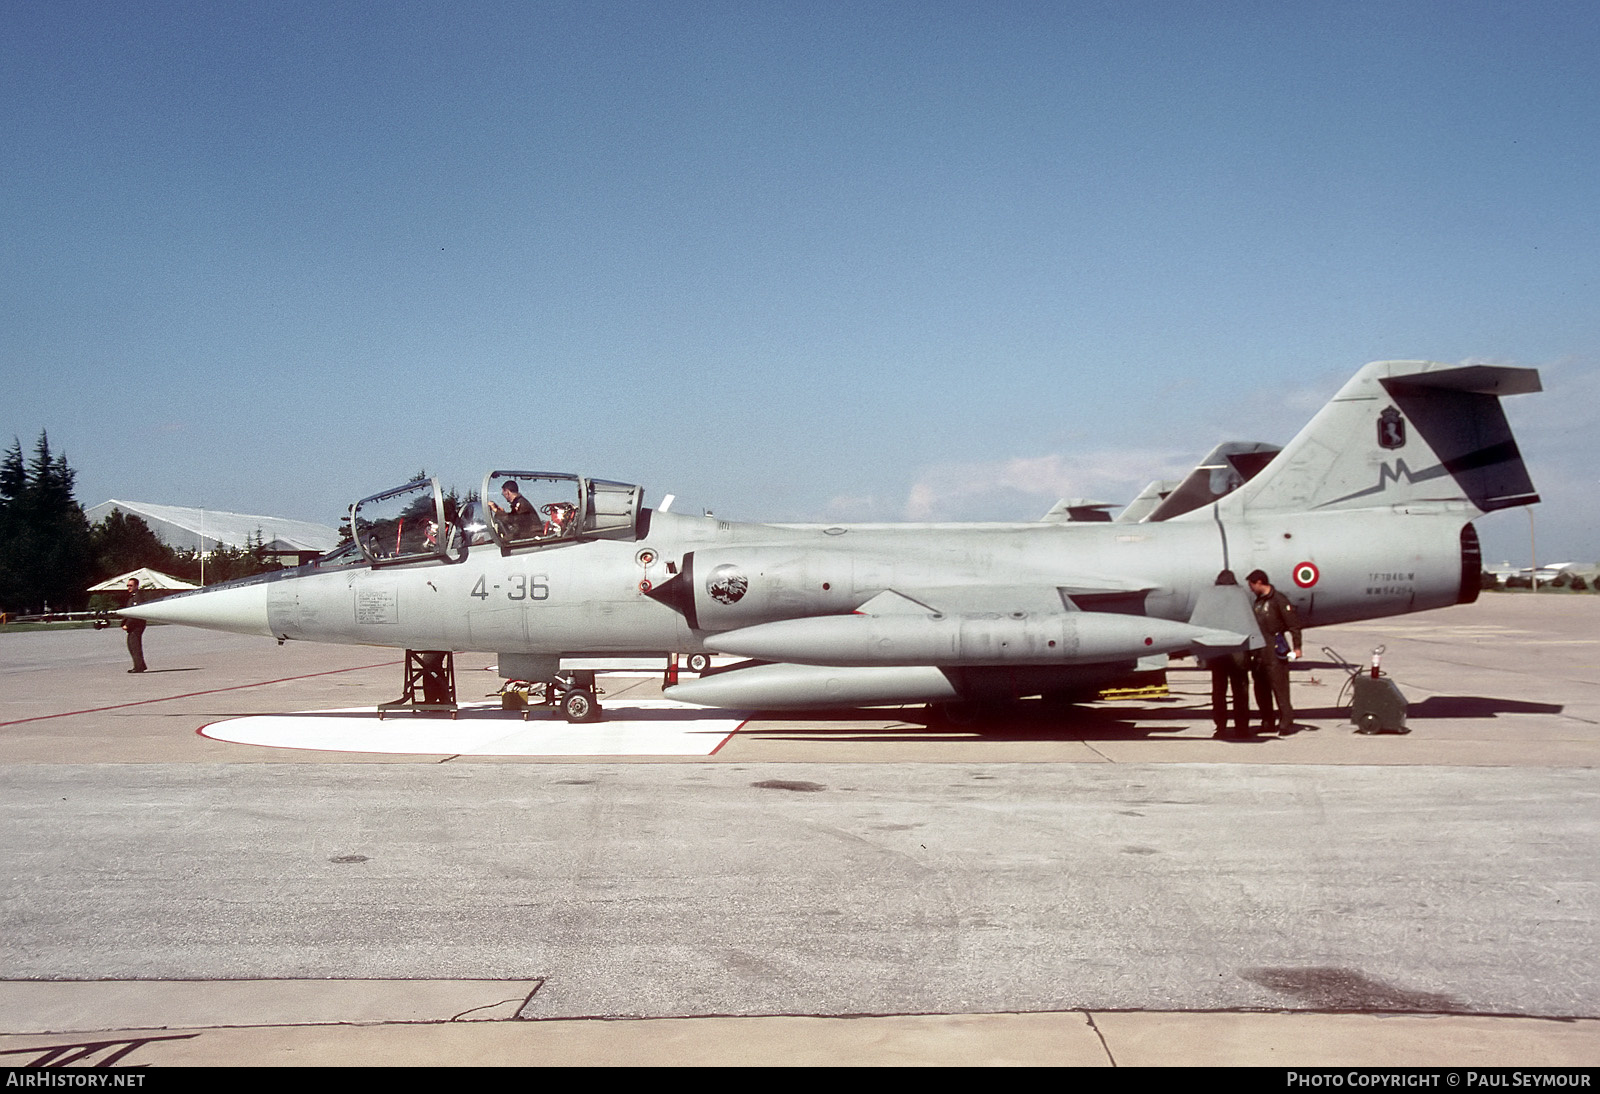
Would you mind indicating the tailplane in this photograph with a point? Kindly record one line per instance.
(1402, 432)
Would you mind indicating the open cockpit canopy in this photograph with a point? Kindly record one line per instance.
(405, 524)
(516, 510)
(540, 508)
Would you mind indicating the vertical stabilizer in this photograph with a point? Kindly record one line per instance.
(1401, 432)
(1226, 468)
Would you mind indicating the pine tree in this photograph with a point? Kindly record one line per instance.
(13, 487)
(124, 542)
(45, 551)
(13, 476)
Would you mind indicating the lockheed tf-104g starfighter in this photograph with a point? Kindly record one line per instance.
(1366, 513)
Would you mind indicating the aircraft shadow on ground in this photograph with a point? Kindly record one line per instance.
(1023, 721)
(1443, 706)
(1434, 706)
(1034, 721)
(1477, 706)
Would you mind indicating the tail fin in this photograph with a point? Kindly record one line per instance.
(1145, 504)
(1226, 468)
(1401, 432)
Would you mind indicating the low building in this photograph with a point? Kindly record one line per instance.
(186, 528)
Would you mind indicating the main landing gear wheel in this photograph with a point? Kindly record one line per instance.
(580, 705)
(699, 662)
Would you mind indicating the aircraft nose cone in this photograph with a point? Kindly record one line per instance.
(241, 609)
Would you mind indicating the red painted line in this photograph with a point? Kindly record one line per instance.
(731, 734)
(192, 694)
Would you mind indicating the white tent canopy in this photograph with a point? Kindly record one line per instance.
(148, 579)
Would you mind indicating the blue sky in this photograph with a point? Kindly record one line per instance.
(786, 260)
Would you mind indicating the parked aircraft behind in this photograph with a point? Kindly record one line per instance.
(1366, 513)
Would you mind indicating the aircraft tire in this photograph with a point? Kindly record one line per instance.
(580, 705)
(699, 662)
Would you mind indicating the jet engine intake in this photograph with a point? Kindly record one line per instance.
(721, 589)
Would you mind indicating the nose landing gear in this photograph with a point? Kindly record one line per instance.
(580, 705)
(573, 693)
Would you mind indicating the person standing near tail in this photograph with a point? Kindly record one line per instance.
(1230, 672)
(1280, 626)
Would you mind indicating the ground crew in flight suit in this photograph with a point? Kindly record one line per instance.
(1280, 626)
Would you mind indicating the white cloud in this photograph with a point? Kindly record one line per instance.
(1023, 487)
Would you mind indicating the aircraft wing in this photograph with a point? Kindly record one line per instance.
(1088, 594)
(967, 600)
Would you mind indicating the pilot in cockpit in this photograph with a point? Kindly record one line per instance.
(518, 519)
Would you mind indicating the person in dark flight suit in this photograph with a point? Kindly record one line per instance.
(134, 627)
(1280, 626)
(518, 517)
(1230, 672)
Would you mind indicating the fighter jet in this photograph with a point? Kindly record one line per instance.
(1367, 512)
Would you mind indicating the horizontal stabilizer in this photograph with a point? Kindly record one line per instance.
(1476, 379)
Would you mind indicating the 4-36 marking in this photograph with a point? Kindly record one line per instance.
(523, 587)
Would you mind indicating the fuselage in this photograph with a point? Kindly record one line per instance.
(594, 597)
(1366, 513)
